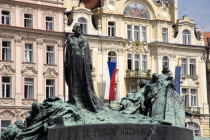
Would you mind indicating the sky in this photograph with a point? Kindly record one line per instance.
(197, 10)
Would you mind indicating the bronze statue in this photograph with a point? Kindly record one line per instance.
(78, 69)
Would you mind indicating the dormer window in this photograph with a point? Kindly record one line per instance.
(83, 24)
(186, 37)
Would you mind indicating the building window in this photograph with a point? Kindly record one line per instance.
(137, 61)
(144, 33)
(28, 19)
(50, 88)
(6, 50)
(192, 67)
(165, 62)
(29, 88)
(165, 34)
(5, 18)
(186, 37)
(4, 125)
(83, 24)
(194, 127)
(50, 55)
(144, 62)
(6, 87)
(132, 88)
(136, 33)
(111, 29)
(129, 32)
(28, 53)
(49, 23)
(185, 94)
(112, 57)
(184, 65)
(194, 98)
(129, 61)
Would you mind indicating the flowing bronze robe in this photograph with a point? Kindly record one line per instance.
(78, 76)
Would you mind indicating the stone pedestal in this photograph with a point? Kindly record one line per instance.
(120, 132)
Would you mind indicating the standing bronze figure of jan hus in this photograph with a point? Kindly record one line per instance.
(78, 69)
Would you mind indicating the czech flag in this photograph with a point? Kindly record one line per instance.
(110, 82)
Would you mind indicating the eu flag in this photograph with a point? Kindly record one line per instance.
(177, 79)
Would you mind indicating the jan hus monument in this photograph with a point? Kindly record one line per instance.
(155, 112)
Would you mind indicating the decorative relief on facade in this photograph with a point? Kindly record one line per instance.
(111, 5)
(25, 114)
(18, 38)
(6, 7)
(136, 10)
(7, 114)
(49, 13)
(6, 102)
(28, 102)
(7, 70)
(39, 42)
(189, 81)
(50, 41)
(7, 35)
(29, 71)
(29, 37)
(50, 73)
(28, 9)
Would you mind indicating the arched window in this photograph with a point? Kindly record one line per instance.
(165, 62)
(195, 127)
(112, 57)
(83, 24)
(186, 37)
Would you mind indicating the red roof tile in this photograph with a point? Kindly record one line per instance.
(90, 4)
(206, 35)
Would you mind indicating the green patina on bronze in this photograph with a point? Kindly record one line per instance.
(156, 103)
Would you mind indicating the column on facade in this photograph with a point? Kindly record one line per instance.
(18, 76)
(100, 71)
(61, 72)
(172, 64)
(204, 86)
(40, 67)
(104, 70)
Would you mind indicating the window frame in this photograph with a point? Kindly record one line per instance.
(28, 19)
(111, 29)
(49, 22)
(112, 56)
(4, 88)
(186, 37)
(192, 67)
(138, 62)
(131, 61)
(29, 52)
(129, 32)
(144, 33)
(50, 87)
(50, 53)
(5, 17)
(165, 34)
(83, 24)
(136, 33)
(4, 127)
(29, 95)
(8, 55)
(165, 62)
(144, 68)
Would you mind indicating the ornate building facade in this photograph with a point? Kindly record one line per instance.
(142, 36)
(31, 55)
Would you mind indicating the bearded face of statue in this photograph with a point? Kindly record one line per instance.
(78, 30)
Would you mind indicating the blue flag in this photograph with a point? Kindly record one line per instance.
(177, 79)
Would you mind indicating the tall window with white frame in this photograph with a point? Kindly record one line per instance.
(137, 62)
(186, 37)
(50, 88)
(144, 33)
(111, 28)
(28, 53)
(194, 100)
(6, 50)
(165, 34)
(83, 24)
(28, 20)
(129, 61)
(4, 125)
(144, 62)
(6, 87)
(194, 127)
(136, 32)
(183, 65)
(185, 94)
(49, 23)
(192, 67)
(29, 88)
(5, 17)
(165, 62)
(129, 32)
(112, 57)
(50, 55)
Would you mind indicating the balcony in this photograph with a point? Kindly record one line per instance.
(193, 110)
(138, 73)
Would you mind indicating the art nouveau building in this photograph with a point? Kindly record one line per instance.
(31, 55)
(142, 36)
